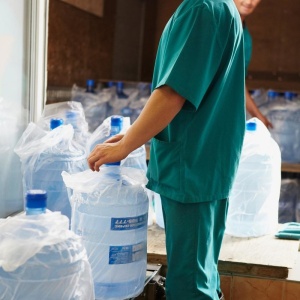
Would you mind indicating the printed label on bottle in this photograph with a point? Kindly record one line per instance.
(129, 223)
(126, 254)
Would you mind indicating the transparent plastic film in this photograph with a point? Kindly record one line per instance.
(110, 212)
(23, 236)
(95, 105)
(107, 178)
(254, 198)
(44, 155)
(39, 255)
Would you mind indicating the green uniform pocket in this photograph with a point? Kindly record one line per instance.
(165, 164)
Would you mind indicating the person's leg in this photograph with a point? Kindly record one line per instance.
(194, 234)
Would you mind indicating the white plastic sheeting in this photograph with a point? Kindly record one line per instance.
(40, 258)
(254, 199)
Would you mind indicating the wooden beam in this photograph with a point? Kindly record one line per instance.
(94, 7)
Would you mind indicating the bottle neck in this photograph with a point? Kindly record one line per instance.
(34, 211)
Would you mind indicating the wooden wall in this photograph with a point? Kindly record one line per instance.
(80, 45)
(120, 45)
(275, 29)
(83, 46)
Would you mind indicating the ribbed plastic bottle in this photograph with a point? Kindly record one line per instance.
(40, 258)
(111, 213)
(254, 198)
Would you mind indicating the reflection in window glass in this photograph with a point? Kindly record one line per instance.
(13, 115)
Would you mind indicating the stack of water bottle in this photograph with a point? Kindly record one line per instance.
(107, 209)
(113, 98)
(283, 110)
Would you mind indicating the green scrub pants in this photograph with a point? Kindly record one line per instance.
(194, 234)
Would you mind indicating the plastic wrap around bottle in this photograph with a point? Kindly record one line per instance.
(44, 155)
(254, 198)
(41, 259)
(95, 104)
(71, 112)
(110, 210)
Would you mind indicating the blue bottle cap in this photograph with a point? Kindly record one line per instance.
(55, 123)
(251, 126)
(288, 95)
(116, 120)
(110, 84)
(120, 85)
(272, 94)
(90, 82)
(36, 199)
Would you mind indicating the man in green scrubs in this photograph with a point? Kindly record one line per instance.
(196, 116)
(245, 8)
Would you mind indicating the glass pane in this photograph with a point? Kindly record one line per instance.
(14, 102)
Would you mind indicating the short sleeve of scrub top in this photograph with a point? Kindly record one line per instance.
(190, 32)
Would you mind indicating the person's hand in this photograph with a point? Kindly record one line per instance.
(108, 152)
(114, 138)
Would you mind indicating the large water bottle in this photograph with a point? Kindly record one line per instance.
(94, 103)
(272, 99)
(44, 155)
(254, 198)
(285, 118)
(120, 90)
(120, 103)
(110, 213)
(40, 258)
(259, 96)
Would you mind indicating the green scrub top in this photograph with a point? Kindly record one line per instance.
(201, 57)
(247, 47)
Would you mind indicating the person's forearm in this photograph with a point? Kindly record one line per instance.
(254, 110)
(162, 106)
(251, 106)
